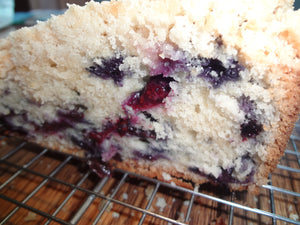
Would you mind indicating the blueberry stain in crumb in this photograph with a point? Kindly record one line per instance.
(215, 72)
(251, 127)
(149, 157)
(109, 69)
(248, 106)
(168, 66)
(92, 140)
(64, 119)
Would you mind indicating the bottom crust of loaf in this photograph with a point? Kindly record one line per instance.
(164, 170)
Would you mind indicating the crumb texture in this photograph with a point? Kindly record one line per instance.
(197, 89)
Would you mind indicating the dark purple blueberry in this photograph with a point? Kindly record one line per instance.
(152, 95)
(75, 115)
(6, 92)
(124, 126)
(6, 122)
(216, 73)
(224, 178)
(109, 69)
(194, 170)
(118, 157)
(251, 129)
(53, 127)
(149, 116)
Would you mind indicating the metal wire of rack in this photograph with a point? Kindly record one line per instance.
(39, 186)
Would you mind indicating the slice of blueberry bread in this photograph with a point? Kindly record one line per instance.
(187, 91)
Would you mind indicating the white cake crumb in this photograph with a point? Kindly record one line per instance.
(166, 176)
(109, 207)
(161, 203)
(31, 216)
(115, 215)
(173, 183)
(294, 216)
(125, 196)
(149, 191)
(186, 202)
(181, 216)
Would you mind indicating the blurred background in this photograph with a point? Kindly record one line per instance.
(24, 5)
(61, 4)
(28, 12)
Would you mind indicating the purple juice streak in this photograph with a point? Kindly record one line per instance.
(168, 66)
(99, 167)
(92, 141)
(65, 119)
(109, 69)
(107, 155)
(122, 127)
(149, 157)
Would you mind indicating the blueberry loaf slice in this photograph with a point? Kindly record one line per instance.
(186, 91)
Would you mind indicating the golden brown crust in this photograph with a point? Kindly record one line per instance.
(185, 179)
(289, 107)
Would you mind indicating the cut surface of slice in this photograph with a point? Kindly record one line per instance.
(197, 90)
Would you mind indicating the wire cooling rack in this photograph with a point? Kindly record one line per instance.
(39, 186)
